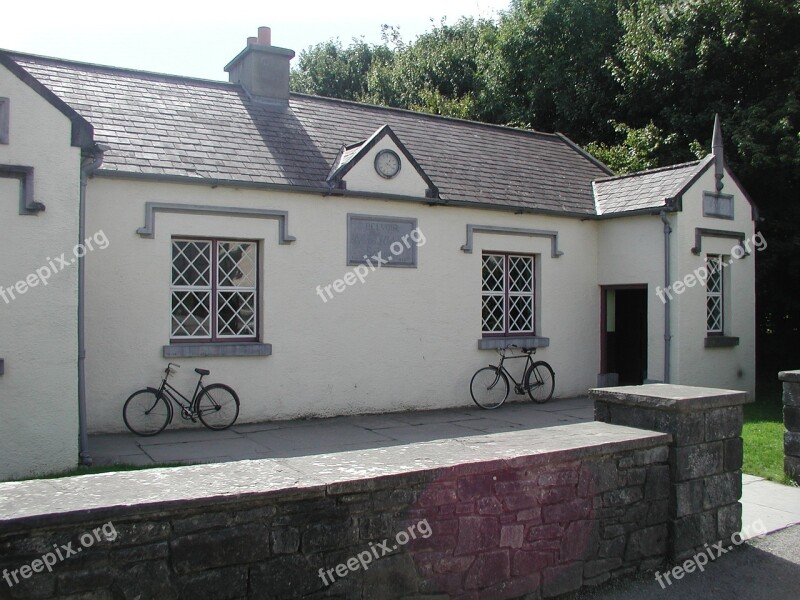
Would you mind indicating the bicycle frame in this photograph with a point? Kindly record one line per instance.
(520, 387)
(188, 407)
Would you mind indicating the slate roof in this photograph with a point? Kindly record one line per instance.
(646, 189)
(174, 126)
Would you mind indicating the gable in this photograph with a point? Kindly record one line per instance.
(82, 132)
(356, 168)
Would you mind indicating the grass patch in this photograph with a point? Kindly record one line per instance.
(95, 470)
(763, 438)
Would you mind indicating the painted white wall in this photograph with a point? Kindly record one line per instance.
(730, 368)
(405, 338)
(631, 251)
(38, 330)
(362, 177)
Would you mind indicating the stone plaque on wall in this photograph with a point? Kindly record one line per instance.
(384, 241)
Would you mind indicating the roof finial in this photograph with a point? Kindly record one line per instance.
(717, 151)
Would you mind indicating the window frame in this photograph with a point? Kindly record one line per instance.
(719, 258)
(507, 294)
(215, 338)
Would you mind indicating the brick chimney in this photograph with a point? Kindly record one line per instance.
(261, 68)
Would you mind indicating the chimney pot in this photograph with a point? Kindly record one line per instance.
(252, 40)
(265, 36)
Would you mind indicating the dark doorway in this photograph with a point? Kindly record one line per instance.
(624, 331)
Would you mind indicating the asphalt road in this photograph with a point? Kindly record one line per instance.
(765, 568)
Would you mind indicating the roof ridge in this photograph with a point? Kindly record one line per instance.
(650, 171)
(116, 70)
(506, 128)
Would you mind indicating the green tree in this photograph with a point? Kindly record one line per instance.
(442, 71)
(639, 149)
(549, 69)
(330, 69)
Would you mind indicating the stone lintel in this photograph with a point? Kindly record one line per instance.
(670, 397)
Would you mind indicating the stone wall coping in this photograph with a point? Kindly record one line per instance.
(790, 376)
(670, 397)
(47, 502)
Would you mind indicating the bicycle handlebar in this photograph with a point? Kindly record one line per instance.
(169, 369)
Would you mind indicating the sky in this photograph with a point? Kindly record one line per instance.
(197, 39)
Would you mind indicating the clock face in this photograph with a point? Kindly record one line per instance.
(387, 163)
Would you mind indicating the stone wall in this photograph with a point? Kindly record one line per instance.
(705, 456)
(536, 513)
(791, 421)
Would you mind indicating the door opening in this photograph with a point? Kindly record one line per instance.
(624, 334)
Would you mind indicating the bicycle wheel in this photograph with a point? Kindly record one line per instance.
(541, 382)
(489, 387)
(145, 413)
(218, 406)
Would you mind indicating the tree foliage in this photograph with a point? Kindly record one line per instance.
(637, 82)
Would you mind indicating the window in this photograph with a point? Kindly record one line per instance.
(508, 294)
(714, 295)
(214, 290)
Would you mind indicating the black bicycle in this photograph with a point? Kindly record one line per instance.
(148, 411)
(489, 386)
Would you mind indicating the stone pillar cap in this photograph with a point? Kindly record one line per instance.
(790, 376)
(667, 396)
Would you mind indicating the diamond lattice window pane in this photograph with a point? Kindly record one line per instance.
(493, 313)
(236, 264)
(191, 263)
(520, 273)
(714, 281)
(714, 313)
(236, 314)
(493, 273)
(520, 313)
(191, 314)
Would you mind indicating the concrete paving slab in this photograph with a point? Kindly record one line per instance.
(205, 450)
(117, 443)
(428, 432)
(566, 403)
(331, 435)
(776, 505)
(139, 460)
(527, 420)
(374, 422)
(438, 416)
(179, 436)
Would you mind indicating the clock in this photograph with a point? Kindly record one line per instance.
(387, 163)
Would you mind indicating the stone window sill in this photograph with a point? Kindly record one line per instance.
(531, 341)
(721, 341)
(215, 349)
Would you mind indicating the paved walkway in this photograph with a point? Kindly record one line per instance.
(776, 506)
(282, 439)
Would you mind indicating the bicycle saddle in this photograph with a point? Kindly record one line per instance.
(202, 371)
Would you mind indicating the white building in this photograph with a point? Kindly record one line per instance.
(228, 225)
